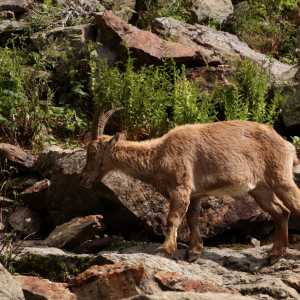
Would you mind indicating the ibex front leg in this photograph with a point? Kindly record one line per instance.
(193, 220)
(179, 202)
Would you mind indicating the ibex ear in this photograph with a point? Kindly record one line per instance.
(120, 136)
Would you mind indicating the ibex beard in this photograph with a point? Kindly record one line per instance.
(195, 161)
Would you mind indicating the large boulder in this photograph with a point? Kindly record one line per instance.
(9, 288)
(117, 37)
(217, 10)
(129, 205)
(222, 47)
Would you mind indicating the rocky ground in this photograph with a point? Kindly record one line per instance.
(82, 258)
(59, 240)
(137, 273)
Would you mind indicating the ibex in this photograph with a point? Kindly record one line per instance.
(194, 161)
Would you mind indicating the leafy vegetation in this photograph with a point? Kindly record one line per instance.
(27, 113)
(151, 9)
(158, 97)
(247, 98)
(267, 26)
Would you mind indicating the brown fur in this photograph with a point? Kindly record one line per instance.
(194, 161)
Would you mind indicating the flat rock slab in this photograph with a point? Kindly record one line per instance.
(146, 46)
(75, 232)
(223, 47)
(190, 296)
(51, 263)
(43, 289)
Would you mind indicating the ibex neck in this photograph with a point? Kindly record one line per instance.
(135, 158)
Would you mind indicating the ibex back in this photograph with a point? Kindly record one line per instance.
(194, 161)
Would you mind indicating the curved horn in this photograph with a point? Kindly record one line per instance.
(103, 118)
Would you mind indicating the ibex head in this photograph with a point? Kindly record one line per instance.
(98, 151)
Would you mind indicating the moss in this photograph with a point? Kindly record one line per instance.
(54, 268)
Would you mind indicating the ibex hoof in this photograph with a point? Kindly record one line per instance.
(192, 256)
(276, 254)
(161, 251)
(273, 259)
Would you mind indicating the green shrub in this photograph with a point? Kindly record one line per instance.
(154, 97)
(27, 113)
(266, 27)
(150, 9)
(247, 97)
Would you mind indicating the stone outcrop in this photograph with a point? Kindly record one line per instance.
(9, 287)
(222, 47)
(217, 10)
(118, 37)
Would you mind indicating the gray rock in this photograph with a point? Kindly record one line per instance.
(51, 263)
(9, 288)
(64, 38)
(75, 232)
(246, 271)
(217, 10)
(189, 296)
(222, 273)
(25, 220)
(8, 27)
(218, 46)
(16, 6)
(122, 8)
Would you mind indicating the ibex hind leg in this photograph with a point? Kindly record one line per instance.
(193, 221)
(289, 194)
(179, 203)
(270, 203)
